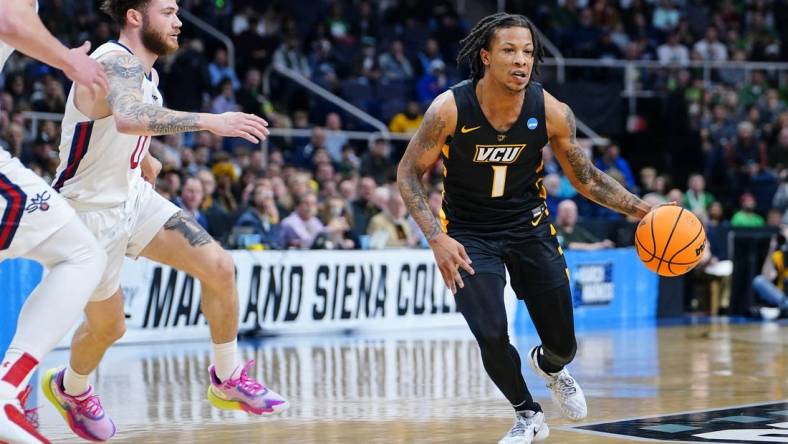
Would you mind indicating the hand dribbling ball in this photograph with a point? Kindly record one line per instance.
(670, 240)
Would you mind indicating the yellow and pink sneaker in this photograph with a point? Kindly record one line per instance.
(84, 413)
(244, 393)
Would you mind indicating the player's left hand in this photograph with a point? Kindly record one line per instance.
(86, 71)
(235, 124)
(151, 167)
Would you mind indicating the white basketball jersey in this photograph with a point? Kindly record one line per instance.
(99, 166)
(5, 52)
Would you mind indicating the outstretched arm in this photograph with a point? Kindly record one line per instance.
(21, 28)
(422, 152)
(580, 170)
(134, 116)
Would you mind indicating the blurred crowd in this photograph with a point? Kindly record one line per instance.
(391, 58)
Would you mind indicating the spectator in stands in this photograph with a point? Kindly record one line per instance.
(390, 228)
(748, 154)
(770, 285)
(575, 237)
(673, 52)
(323, 62)
(666, 16)
(220, 69)
(302, 157)
(226, 177)
(261, 220)
(363, 207)
(612, 160)
(430, 53)
(191, 198)
(302, 226)
(225, 101)
(335, 140)
(253, 46)
(366, 22)
(395, 64)
(697, 199)
(251, 100)
(552, 184)
(375, 162)
(290, 56)
(189, 81)
(407, 121)
(605, 48)
(15, 136)
(746, 217)
(710, 48)
(432, 83)
(53, 99)
(334, 213)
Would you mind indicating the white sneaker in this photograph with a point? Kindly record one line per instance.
(15, 423)
(565, 391)
(528, 427)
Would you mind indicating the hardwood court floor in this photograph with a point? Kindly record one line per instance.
(429, 386)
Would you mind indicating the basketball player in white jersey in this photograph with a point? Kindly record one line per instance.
(104, 146)
(38, 224)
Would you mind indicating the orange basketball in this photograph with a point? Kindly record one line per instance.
(670, 240)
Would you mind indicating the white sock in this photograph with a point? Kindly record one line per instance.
(16, 368)
(74, 383)
(225, 360)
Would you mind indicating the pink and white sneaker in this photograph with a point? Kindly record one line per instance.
(18, 425)
(244, 393)
(84, 413)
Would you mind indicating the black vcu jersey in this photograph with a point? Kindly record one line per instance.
(494, 202)
(494, 180)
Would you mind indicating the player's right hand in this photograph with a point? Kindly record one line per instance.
(235, 124)
(86, 71)
(450, 256)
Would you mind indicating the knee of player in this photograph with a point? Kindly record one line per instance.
(222, 268)
(563, 354)
(111, 331)
(494, 337)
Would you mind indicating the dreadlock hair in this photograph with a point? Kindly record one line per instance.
(482, 33)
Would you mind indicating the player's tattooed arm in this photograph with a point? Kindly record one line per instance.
(125, 73)
(422, 151)
(581, 171)
(189, 228)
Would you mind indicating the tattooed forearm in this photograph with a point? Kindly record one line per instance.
(125, 75)
(596, 185)
(410, 172)
(189, 228)
(416, 200)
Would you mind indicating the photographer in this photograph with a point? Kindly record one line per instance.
(770, 285)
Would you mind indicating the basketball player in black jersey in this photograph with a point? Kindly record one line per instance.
(489, 131)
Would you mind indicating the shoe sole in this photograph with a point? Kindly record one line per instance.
(46, 387)
(225, 404)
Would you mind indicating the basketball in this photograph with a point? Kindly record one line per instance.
(670, 240)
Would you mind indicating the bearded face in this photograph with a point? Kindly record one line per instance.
(160, 40)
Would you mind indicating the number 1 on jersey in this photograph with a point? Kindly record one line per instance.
(499, 180)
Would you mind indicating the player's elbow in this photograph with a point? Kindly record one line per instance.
(127, 126)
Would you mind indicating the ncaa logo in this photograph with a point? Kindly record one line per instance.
(532, 123)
